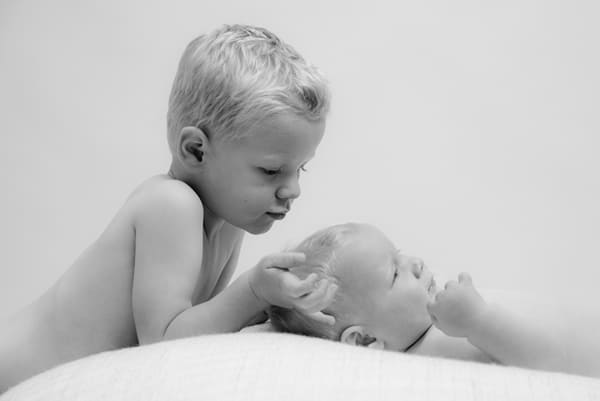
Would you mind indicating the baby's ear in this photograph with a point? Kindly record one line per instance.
(357, 335)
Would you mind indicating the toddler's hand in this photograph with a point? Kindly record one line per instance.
(457, 307)
(273, 283)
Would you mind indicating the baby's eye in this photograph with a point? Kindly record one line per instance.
(395, 275)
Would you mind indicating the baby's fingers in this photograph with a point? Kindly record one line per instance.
(465, 278)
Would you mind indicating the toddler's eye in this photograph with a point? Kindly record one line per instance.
(301, 168)
(271, 172)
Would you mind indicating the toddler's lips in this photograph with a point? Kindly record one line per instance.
(276, 216)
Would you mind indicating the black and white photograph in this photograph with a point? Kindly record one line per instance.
(273, 200)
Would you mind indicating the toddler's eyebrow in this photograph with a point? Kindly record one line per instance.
(271, 158)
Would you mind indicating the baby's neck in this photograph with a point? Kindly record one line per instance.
(416, 344)
(435, 343)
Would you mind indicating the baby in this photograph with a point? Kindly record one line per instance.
(246, 113)
(388, 300)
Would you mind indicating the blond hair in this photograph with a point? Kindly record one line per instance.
(237, 75)
(320, 249)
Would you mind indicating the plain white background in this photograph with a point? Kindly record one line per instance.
(468, 131)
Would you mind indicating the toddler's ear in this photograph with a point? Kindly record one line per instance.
(357, 335)
(192, 145)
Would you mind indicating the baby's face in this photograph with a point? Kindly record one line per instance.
(388, 291)
(252, 181)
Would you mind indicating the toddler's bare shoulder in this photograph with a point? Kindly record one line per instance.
(163, 193)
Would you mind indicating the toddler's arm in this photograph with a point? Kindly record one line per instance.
(169, 247)
(168, 266)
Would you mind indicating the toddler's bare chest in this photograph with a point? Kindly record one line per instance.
(215, 258)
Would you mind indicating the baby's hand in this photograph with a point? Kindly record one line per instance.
(456, 309)
(273, 283)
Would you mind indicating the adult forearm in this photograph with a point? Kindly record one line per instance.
(229, 311)
(513, 340)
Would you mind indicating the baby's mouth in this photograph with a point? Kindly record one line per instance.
(431, 288)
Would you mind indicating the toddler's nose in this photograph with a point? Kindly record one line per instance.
(290, 190)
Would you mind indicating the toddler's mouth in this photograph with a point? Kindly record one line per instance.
(276, 216)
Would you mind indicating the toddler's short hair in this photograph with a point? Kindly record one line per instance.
(320, 250)
(237, 75)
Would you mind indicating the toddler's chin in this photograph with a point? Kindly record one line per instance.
(260, 230)
(256, 229)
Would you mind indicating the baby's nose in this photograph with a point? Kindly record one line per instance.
(417, 266)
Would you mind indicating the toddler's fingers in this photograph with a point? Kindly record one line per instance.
(319, 299)
(306, 286)
(331, 290)
(311, 299)
(322, 317)
(295, 287)
(284, 260)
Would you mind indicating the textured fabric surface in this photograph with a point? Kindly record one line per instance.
(275, 366)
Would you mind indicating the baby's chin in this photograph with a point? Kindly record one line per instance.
(432, 290)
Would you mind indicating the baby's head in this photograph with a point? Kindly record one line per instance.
(382, 295)
(246, 113)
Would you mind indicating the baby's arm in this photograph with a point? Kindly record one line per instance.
(460, 311)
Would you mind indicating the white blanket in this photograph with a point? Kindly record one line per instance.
(274, 366)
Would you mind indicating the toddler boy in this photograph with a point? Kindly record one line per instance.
(246, 113)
